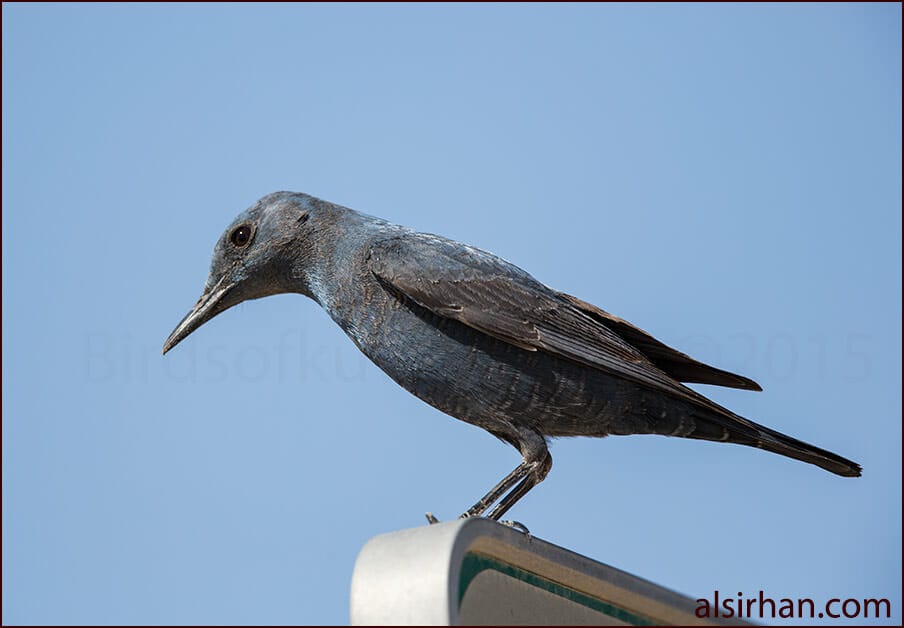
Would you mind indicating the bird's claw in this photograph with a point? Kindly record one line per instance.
(517, 525)
(514, 525)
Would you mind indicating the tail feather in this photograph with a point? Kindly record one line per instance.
(799, 450)
(744, 432)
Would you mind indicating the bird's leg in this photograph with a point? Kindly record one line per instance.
(533, 468)
(537, 474)
(518, 473)
(509, 500)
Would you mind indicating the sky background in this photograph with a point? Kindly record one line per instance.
(726, 177)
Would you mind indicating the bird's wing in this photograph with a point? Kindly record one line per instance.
(677, 364)
(501, 300)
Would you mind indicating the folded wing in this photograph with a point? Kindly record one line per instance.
(501, 300)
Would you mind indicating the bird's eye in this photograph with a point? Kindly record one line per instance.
(241, 236)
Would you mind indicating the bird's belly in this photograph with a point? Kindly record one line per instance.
(496, 385)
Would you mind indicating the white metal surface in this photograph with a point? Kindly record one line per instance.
(477, 571)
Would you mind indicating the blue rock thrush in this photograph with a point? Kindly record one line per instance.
(477, 337)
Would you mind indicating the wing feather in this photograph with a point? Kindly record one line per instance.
(677, 364)
(499, 299)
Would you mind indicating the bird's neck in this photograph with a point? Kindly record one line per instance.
(340, 271)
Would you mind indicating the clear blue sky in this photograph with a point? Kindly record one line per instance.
(726, 177)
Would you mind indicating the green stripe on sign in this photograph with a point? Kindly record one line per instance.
(474, 563)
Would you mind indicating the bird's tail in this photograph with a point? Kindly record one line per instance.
(745, 432)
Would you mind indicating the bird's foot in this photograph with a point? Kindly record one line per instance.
(431, 518)
(514, 525)
(517, 525)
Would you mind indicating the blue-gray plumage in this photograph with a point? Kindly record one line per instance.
(477, 337)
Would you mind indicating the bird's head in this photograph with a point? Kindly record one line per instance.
(264, 251)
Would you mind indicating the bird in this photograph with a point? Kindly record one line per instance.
(477, 337)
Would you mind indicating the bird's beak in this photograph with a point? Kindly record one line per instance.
(209, 305)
